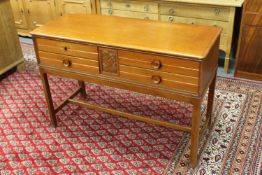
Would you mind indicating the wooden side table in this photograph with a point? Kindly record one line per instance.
(172, 61)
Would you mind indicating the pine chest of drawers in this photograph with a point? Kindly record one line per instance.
(173, 61)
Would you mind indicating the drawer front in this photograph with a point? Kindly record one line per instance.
(177, 19)
(129, 14)
(67, 48)
(221, 24)
(195, 11)
(159, 79)
(159, 63)
(136, 6)
(68, 62)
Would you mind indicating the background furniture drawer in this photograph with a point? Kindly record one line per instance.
(196, 11)
(68, 62)
(223, 25)
(137, 6)
(130, 14)
(155, 62)
(67, 48)
(158, 78)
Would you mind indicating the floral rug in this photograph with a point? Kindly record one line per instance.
(91, 142)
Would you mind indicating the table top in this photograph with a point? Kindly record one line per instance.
(194, 41)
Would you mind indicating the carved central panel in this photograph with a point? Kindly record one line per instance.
(108, 60)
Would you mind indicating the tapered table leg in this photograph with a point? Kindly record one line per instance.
(83, 90)
(195, 133)
(210, 100)
(48, 98)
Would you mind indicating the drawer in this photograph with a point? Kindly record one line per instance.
(67, 48)
(159, 79)
(195, 11)
(222, 24)
(136, 6)
(177, 19)
(155, 62)
(68, 62)
(130, 14)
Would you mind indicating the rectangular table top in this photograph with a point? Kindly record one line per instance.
(193, 41)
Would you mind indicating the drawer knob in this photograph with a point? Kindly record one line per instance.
(67, 63)
(172, 11)
(110, 11)
(156, 64)
(127, 5)
(65, 48)
(171, 18)
(146, 8)
(156, 79)
(217, 11)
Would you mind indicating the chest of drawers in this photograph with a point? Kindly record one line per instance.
(179, 63)
(10, 50)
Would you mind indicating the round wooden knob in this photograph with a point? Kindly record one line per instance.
(156, 64)
(217, 11)
(156, 79)
(110, 11)
(66, 63)
(171, 11)
(146, 8)
(65, 48)
(171, 18)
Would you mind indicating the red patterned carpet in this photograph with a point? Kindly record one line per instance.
(90, 142)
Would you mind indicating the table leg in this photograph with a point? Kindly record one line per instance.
(83, 90)
(196, 116)
(48, 98)
(210, 100)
